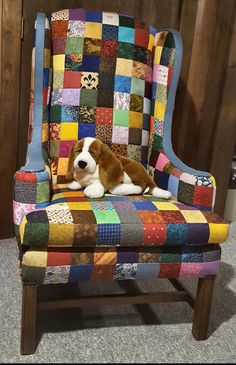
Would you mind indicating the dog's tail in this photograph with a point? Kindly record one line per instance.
(155, 191)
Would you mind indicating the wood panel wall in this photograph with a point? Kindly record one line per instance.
(205, 117)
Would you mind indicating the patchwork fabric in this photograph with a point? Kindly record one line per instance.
(75, 220)
(189, 189)
(102, 66)
(48, 266)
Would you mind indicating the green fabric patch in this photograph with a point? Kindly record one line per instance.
(32, 274)
(36, 234)
(74, 45)
(121, 117)
(170, 257)
(58, 79)
(161, 93)
(157, 143)
(54, 148)
(125, 50)
(106, 216)
(55, 114)
(137, 86)
(42, 192)
(88, 97)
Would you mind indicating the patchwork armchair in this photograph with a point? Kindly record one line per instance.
(110, 76)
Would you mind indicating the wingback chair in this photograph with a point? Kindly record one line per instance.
(110, 76)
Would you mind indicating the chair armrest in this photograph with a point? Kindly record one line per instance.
(31, 191)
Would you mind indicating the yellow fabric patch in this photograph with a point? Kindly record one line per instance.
(193, 216)
(213, 181)
(62, 166)
(80, 206)
(124, 67)
(218, 232)
(157, 55)
(22, 228)
(61, 234)
(59, 62)
(47, 58)
(69, 131)
(165, 206)
(105, 258)
(45, 132)
(57, 196)
(93, 30)
(135, 120)
(35, 258)
(150, 42)
(159, 110)
(75, 194)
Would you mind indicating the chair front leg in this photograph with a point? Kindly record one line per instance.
(202, 309)
(28, 319)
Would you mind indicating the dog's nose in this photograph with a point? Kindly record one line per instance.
(82, 164)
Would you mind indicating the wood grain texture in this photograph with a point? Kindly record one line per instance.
(9, 104)
(28, 319)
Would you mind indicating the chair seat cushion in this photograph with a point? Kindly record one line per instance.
(72, 219)
(74, 264)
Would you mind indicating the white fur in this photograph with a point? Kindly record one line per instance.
(74, 185)
(126, 189)
(160, 193)
(86, 156)
(95, 190)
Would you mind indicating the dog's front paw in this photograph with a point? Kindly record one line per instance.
(74, 185)
(95, 190)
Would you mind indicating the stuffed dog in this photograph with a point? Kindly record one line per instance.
(93, 166)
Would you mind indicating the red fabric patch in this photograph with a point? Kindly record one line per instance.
(154, 234)
(103, 272)
(26, 176)
(59, 258)
(72, 79)
(170, 270)
(172, 216)
(203, 196)
(104, 116)
(141, 37)
(170, 72)
(45, 95)
(59, 28)
(109, 48)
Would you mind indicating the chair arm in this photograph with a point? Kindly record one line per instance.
(31, 191)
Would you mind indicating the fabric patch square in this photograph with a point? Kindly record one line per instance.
(198, 233)
(125, 50)
(108, 234)
(126, 21)
(110, 18)
(121, 101)
(59, 45)
(136, 103)
(87, 130)
(93, 16)
(54, 148)
(121, 118)
(61, 234)
(122, 84)
(56, 97)
(101, 205)
(58, 216)
(203, 196)
(141, 37)
(105, 257)
(37, 217)
(126, 271)
(151, 216)
(172, 216)
(84, 233)
(83, 217)
(145, 138)
(80, 273)
(62, 166)
(65, 147)
(89, 80)
(129, 217)
(104, 133)
(193, 216)
(135, 136)
(134, 152)
(137, 86)
(135, 120)
(108, 65)
(105, 98)
(109, 32)
(70, 113)
(76, 28)
(109, 48)
(71, 96)
(177, 234)
(88, 97)
(185, 193)
(69, 131)
(93, 30)
(141, 54)
(131, 234)
(58, 77)
(54, 131)
(120, 135)
(75, 14)
(148, 271)
(73, 62)
(25, 192)
(106, 216)
(104, 116)
(165, 205)
(170, 270)
(59, 28)
(56, 274)
(72, 80)
(90, 63)
(154, 234)
(139, 70)
(74, 45)
(124, 67)
(121, 149)
(121, 206)
(126, 34)
(92, 46)
(161, 93)
(103, 272)
(144, 206)
(127, 255)
(87, 114)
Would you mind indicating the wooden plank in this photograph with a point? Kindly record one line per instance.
(28, 320)
(180, 287)
(225, 133)
(9, 103)
(113, 299)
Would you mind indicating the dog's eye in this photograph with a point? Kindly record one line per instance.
(78, 150)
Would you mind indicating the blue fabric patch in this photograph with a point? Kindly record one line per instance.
(176, 234)
(122, 84)
(148, 270)
(70, 113)
(126, 35)
(87, 130)
(127, 255)
(110, 32)
(144, 206)
(81, 272)
(42, 176)
(42, 205)
(198, 233)
(108, 234)
(93, 16)
(90, 63)
(46, 74)
(173, 185)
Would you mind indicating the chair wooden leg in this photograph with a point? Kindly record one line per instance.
(28, 319)
(202, 308)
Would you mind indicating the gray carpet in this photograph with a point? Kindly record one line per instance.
(159, 333)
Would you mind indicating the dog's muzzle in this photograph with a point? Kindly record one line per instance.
(82, 164)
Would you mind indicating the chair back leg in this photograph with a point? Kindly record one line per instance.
(202, 309)
(28, 319)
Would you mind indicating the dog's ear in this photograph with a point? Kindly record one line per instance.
(73, 152)
(110, 167)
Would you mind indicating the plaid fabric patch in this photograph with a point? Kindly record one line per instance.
(54, 266)
(75, 220)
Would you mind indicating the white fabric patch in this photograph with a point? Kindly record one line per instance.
(162, 75)
(110, 18)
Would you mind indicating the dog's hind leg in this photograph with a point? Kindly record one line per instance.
(126, 189)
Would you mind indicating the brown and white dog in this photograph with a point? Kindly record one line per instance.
(93, 166)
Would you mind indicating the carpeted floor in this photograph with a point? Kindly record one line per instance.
(159, 333)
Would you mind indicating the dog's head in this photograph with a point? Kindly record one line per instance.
(89, 152)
